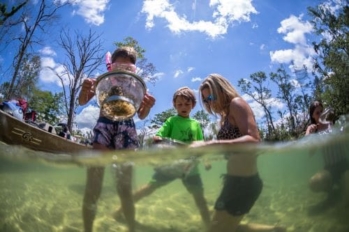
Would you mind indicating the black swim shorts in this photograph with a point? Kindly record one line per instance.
(239, 194)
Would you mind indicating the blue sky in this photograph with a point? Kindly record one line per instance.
(187, 40)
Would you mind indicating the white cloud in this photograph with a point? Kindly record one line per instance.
(196, 79)
(87, 117)
(48, 76)
(300, 55)
(190, 69)
(225, 13)
(177, 73)
(47, 51)
(157, 76)
(295, 31)
(91, 10)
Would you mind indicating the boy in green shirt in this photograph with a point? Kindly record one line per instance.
(185, 129)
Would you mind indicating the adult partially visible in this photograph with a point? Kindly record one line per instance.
(336, 168)
(242, 183)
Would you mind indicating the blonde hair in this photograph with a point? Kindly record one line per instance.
(186, 93)
(125, 52)
(222, 91)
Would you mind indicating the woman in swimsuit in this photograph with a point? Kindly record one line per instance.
(336, 168)
(242, 184)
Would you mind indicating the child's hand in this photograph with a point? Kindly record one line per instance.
(311, 129)
(87, 91)
(197, 144)
(88, 86)
(157, 139)
(148, 101)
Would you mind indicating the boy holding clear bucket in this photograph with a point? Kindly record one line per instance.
(113, 135)
(185, 129)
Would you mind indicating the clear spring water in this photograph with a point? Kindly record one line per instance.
(44, 192)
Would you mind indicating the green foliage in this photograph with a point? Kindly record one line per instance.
(332, 65)
(28, 76)
(47, 105)
(26, 80)
(160, 118)
(146, 70)
(131, 42)
(292, 121)
(202, 117)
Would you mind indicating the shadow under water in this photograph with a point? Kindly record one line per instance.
(44, 192)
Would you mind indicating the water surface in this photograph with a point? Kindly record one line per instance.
(43, 192)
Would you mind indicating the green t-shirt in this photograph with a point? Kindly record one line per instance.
(182, 129)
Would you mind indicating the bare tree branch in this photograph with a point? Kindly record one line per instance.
(83, 58)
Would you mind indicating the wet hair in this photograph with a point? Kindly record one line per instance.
(223, 92)
(125, 52)
(312, 108)
(186, 93)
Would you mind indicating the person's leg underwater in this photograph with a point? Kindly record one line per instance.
(124, 174)
(93, 190)
(194, 185)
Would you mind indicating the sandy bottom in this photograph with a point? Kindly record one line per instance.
(44, 198)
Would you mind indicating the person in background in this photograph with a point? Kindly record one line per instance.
(64, 132)
(113, 135)
(242, 183)
(336, 168)
(183, 128)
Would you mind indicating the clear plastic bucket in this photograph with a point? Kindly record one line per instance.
(119, 94)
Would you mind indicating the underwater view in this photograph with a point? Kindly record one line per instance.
(44, 192)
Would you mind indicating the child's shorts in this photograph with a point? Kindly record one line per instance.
(116, 134)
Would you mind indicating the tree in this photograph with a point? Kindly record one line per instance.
(202, 117)
(160, 118)
(303, 99)
(84, 55)
(47, 105)
(286, 94)
(146, 70)
(27, 78)
(4, 14)
(31, 21)
(262, 95)
(332, 64)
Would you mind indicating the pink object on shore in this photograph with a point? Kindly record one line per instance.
(108, 60)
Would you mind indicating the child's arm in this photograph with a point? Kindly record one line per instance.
(87, 91)
(147, 103)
